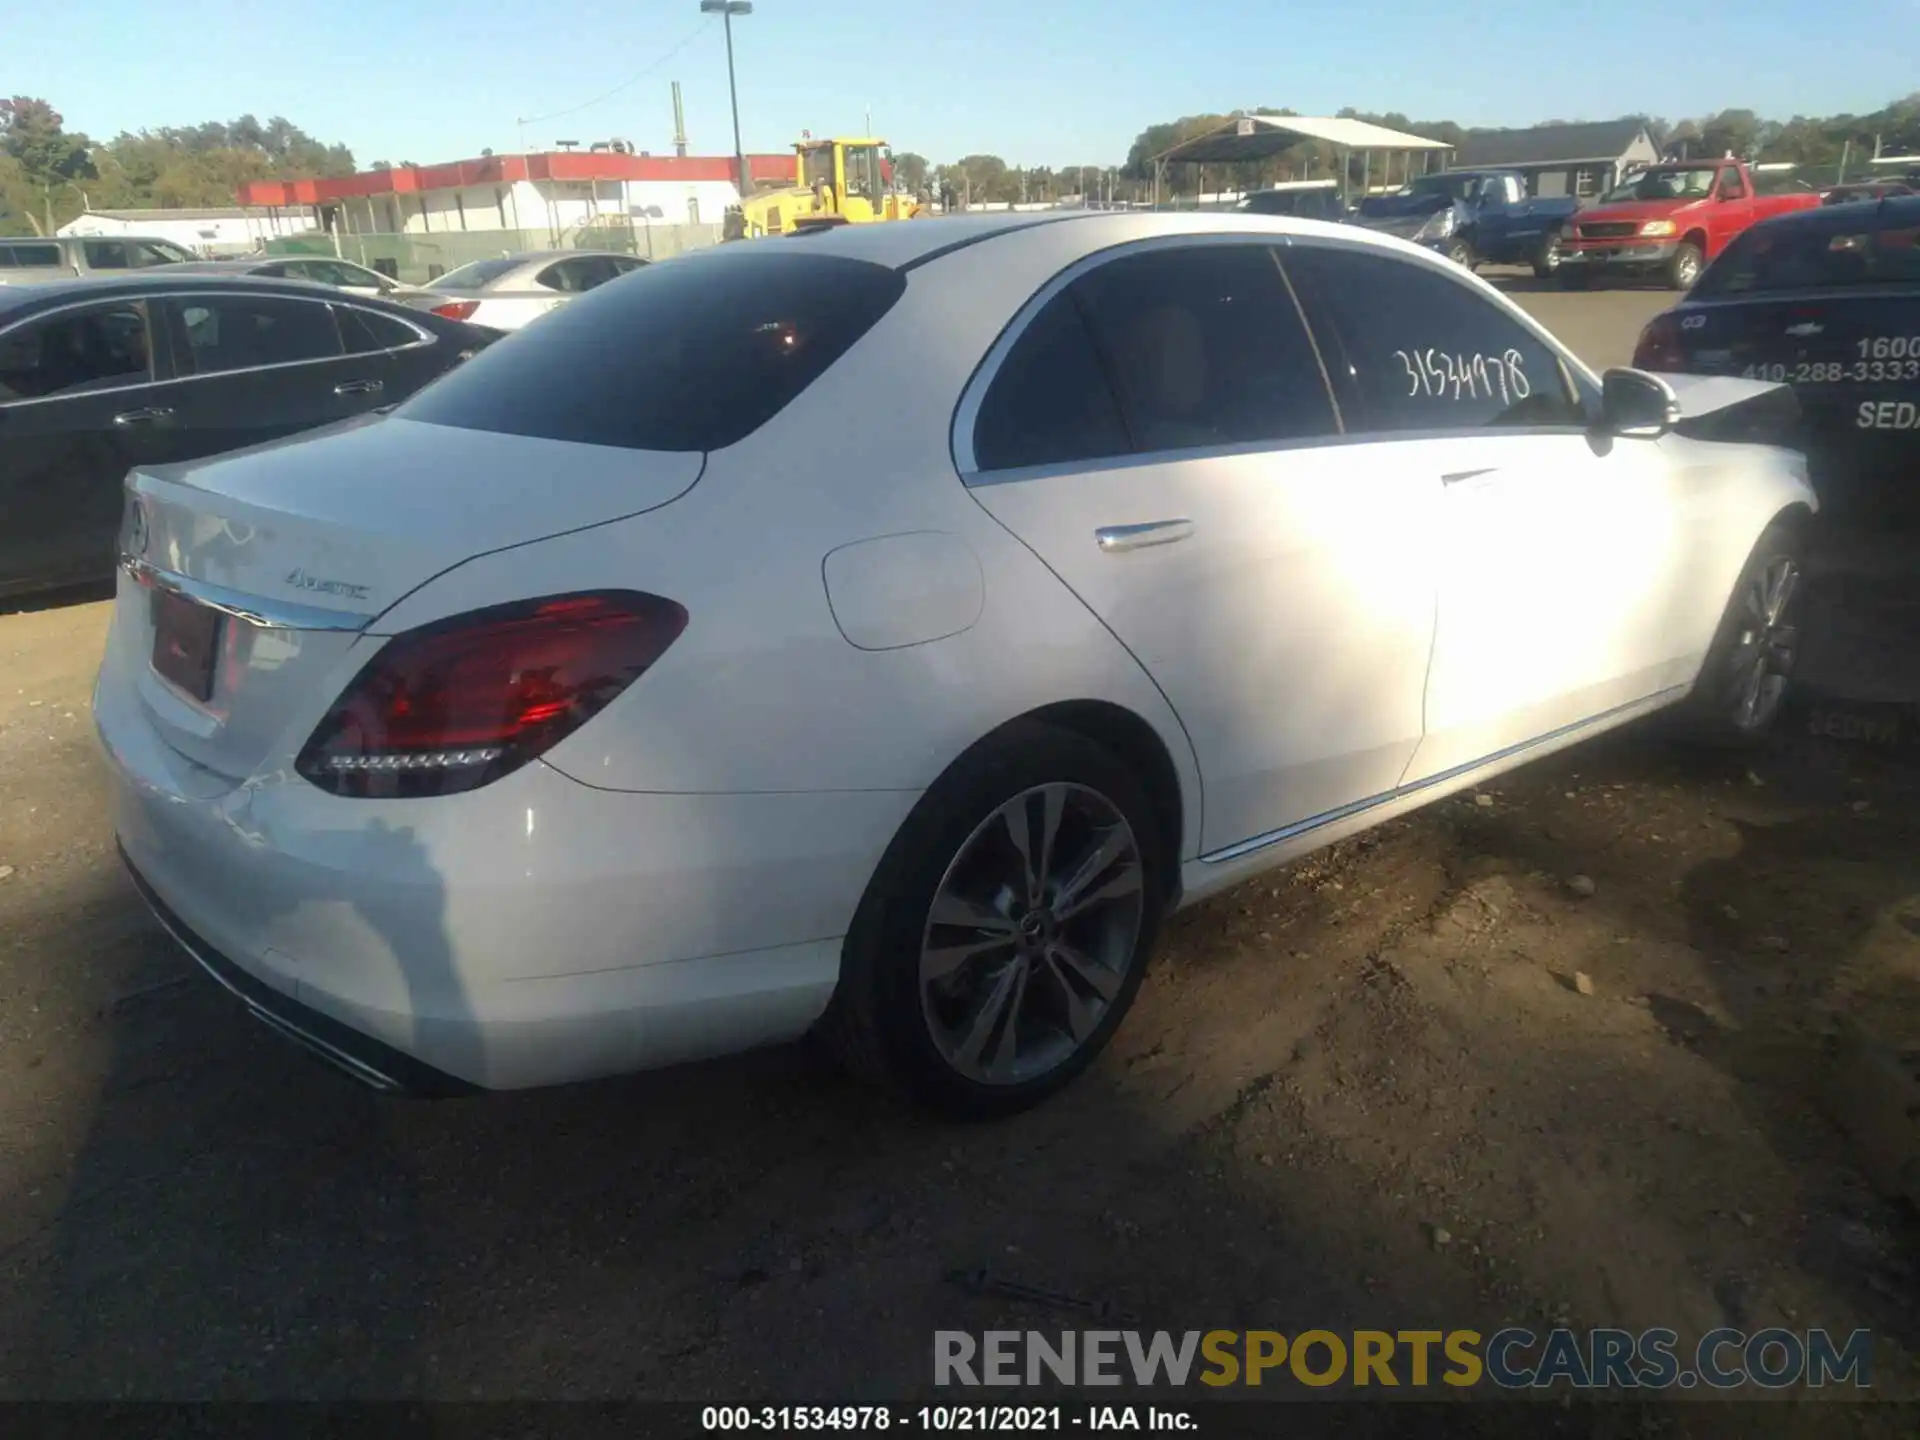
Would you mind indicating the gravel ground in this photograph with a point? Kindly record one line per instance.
(1617, 1041)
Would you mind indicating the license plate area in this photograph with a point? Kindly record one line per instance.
(186, 643)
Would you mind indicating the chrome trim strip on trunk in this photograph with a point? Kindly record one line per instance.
(255, 610)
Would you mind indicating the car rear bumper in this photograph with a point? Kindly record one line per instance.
(533, 932)
(361, 1056)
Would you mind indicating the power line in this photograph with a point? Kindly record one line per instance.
(626, 84)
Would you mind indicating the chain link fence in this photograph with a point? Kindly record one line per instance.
(417, 258)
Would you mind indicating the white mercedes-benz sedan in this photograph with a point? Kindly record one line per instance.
(878, 632)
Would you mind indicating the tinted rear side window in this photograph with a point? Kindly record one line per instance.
(1050, 403)
(1207, 348)
(364, 331)
(693, 354)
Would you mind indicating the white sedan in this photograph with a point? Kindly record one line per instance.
(510, 291)
(879, 633)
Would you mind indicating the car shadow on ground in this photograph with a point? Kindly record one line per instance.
(57, 599)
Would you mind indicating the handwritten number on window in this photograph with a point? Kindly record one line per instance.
(1436, 375)
(1414, 380)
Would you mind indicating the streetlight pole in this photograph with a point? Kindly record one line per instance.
(726, 10)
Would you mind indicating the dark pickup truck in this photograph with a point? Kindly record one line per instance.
(1474, 217)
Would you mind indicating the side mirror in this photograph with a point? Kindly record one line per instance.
(1636, 405)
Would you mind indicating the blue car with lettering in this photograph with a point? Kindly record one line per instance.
(1827, 302)
(1474, 217)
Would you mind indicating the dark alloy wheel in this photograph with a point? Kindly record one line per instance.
(1743, 683)
(1007, 929)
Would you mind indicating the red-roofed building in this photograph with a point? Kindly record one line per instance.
(557, 192)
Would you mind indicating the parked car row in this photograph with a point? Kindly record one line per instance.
(502, 293)
(1665, 222)
(572, 719)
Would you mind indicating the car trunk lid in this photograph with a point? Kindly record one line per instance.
(255, 576)
(1852, 360)
(1819, 342)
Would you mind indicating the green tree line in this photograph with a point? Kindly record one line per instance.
(49, 174)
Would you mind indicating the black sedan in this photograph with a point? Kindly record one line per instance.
(1828, 302)
(98, 376)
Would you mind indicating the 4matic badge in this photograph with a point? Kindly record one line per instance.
(299, 579)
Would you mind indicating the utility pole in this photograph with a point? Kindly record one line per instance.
(726, 10)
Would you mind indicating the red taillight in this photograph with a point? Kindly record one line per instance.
(458, 704)
(457, 309)
(1660, 347)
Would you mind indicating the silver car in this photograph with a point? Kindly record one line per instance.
(322, 270)
(35, 260)
(506, 293)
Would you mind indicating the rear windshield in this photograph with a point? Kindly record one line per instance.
(690, 354)
(472, 277)
(1814, 257)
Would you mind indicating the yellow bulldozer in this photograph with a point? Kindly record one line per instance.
(836, 182)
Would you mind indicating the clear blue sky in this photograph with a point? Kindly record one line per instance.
(1066, 83)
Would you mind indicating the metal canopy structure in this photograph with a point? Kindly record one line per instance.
(1261, 137)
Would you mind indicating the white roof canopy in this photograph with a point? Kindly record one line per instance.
(1258, 137)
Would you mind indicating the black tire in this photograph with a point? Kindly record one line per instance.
(1461, 254)
(1574, 279)
(1546, 264)
(1685, 266)
(875, 1024)
(1714, 714)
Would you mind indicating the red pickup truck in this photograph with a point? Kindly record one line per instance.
(1668, 221)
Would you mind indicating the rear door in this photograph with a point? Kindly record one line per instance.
(264, 366)
(1159, 430)
(1558, 558)
(81, 402)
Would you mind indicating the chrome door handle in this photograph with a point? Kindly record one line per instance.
(1114, 538)
(359, 387)
(1455, 477)
(151, 416)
